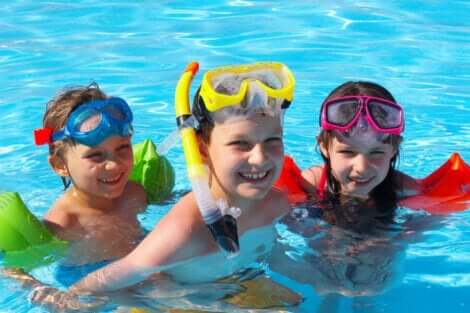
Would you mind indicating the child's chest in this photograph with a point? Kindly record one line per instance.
(105, 237)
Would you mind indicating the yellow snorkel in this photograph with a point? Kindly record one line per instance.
(222, 226)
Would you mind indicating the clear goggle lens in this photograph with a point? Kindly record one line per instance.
(342, 113)
(385, 116)
(115, 112)
(229, 84)
(89, 120)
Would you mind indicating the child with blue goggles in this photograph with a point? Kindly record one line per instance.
(89, 138)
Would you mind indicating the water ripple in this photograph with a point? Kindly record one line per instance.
(449, 280)
(137, 50)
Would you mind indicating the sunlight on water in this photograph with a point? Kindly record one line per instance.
(137, 50)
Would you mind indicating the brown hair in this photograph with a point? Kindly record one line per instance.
(202, 115)
(63, 104)
(59, 109)
(385, 194)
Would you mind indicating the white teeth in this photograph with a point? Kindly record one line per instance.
(254, 175)
(111, 180)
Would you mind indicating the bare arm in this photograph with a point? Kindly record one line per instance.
(136, 196)
(48, 296)
(119, 274)
(26, 280)
(311, 179)
(180, 235)
(408, 186)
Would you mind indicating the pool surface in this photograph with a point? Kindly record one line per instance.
(137, 50)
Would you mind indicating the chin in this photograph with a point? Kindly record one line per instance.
(362, 192)
(113, 194)
(357, 194)
(254, 194)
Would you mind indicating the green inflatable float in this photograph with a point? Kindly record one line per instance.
(26, 243)
(152, 171)
(24, 240)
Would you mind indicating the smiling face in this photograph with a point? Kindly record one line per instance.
(100, 171)
(245, 157)
(359, 166)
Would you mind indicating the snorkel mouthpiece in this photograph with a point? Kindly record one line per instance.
(223, 227)
(222, 224)
(224, 230)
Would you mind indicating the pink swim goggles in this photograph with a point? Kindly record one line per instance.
(343, 113)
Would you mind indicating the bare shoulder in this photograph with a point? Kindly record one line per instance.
(312, 177)
(179, 235)
(59, 216)
(279, 201)
(135, 196)
(185, 212)
(182, 220)
(407, 185)
(276, 202)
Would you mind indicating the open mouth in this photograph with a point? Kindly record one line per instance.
(255, 177)
(111, 180)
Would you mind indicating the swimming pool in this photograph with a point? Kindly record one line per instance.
(136, 50)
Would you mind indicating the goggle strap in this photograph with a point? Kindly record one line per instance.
(59, 135)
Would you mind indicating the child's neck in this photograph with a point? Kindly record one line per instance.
(91, 203)
(233, 201)
(345, 197)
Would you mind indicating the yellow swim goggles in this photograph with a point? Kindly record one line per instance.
(227, 86)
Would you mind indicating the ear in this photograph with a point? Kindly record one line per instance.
(58, 165)
(324, 149)
(203, 149)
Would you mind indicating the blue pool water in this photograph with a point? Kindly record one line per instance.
(419, 50)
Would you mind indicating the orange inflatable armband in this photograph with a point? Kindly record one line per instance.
(290, 181)
(445, 190)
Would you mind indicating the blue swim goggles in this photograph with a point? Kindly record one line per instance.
(92, 123)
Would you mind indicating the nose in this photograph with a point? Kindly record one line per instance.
(361, 164)
(257, 155)
(112, 162)
(111, 165)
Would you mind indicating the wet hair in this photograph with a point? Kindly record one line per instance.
(385, 194)
(203, 118)
(59, 109)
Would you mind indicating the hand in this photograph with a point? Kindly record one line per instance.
(63, 301)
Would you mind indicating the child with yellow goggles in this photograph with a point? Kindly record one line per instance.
(232, 164)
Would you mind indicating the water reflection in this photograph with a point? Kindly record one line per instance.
(348, 250)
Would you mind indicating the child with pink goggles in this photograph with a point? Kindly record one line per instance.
(343, 113)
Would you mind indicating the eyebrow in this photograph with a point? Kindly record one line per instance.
(276, 132)
(346, 146)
